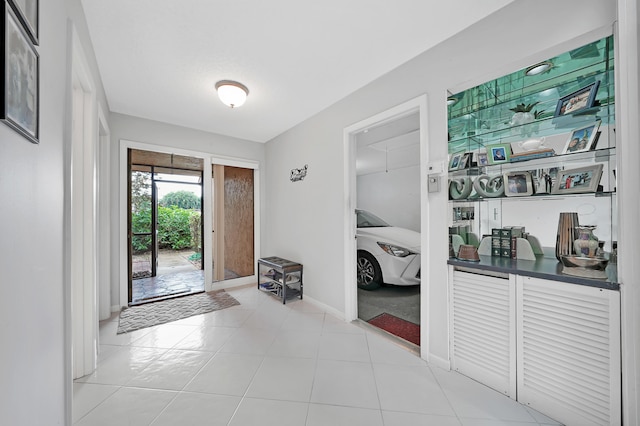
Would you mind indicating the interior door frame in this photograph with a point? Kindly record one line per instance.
(418, 104)
(124, 147)
(245, 164)
(80, 210)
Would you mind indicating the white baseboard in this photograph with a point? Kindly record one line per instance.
(236, 282)
(439, 362)
(336, 313)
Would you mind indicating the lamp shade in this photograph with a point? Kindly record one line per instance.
(232, 93)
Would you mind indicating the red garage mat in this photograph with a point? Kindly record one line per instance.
(398, 327)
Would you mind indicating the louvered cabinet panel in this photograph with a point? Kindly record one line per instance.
(569, 351)
(482, 317)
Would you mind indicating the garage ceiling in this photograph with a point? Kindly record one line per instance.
(160, 59)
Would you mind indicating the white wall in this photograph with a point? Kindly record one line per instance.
(306, 219)
(393, 196)
(34, 374)
(125, 127)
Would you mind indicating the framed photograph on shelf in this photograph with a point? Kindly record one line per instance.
(582, 139)
(27, 12)
(576, 181)
(498, 154)
(21, 69)
(483, 160)
(465, 161)
(577, 101)
(518, 184)
(454, 161)
(544, 179)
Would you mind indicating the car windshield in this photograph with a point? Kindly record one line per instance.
(369, 220)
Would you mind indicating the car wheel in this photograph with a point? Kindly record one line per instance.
(369, 273)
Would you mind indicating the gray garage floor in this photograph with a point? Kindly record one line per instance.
(400, 301)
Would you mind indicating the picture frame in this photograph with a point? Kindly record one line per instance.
(483, 159)
(454, 161)
(582, 139)
(579, 180)
(518, 184)
(499, 153)
(577, 101)
(544, 179)
(19, 108)
(29, 16)
(465, 161)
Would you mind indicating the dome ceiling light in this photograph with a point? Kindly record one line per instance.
(232, 93)
(538, 68)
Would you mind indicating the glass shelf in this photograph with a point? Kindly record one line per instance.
(569, 72)
(477, 133)
(537, 197)
(483, 115)
(559, 160)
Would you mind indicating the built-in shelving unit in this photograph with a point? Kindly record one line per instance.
(523, 327)
(483, 118)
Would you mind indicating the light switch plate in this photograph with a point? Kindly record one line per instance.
(435, 167)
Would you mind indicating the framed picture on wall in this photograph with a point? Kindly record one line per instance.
(21, 69)
(27, 12)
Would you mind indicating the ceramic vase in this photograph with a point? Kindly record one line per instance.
(566, 234)
(586, 244)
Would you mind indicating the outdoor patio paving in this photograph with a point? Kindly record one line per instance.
(175, 276)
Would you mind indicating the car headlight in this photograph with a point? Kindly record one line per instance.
(395, 250)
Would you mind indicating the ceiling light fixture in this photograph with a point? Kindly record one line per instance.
(232, 93)
(538, 68)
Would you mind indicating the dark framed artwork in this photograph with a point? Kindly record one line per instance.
(577, 101)
(21, 70)
(27, 12)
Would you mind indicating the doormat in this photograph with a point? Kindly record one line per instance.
(398, 327)
(143, 316)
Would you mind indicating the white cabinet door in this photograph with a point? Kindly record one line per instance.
(569, 351)
(482, 319)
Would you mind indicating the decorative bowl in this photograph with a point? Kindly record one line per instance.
(468, 252)
(594, 263)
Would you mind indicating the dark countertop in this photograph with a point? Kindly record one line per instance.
(543, 267)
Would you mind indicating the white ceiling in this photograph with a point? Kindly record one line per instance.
(160, 59)
(390, 146)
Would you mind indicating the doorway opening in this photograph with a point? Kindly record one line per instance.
(388, 225)
(164, 226)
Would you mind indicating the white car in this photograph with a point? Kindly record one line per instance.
(386, 254)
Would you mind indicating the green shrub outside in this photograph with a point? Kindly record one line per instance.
(174, 228)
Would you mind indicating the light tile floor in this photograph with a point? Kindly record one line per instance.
(263, 363)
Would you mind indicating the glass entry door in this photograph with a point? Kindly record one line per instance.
(165, 226)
